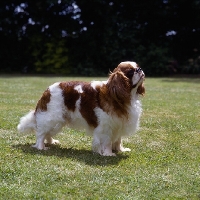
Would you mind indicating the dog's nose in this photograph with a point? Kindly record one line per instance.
(138, 70)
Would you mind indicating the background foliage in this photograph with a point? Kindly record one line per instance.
(91, 37)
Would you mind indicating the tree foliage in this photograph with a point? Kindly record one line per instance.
(90, 37)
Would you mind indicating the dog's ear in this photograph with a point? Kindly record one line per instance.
(141, 89)
(119, 87)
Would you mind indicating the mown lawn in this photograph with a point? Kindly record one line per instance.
(164, 162)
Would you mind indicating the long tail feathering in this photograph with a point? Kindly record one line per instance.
(27, 123)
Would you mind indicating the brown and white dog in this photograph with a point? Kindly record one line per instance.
(107, 110)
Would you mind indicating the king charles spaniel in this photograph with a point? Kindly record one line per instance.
(107, 110)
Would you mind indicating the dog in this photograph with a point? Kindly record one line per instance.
(107, 110)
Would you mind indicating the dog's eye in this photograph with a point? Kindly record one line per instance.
(130, 73)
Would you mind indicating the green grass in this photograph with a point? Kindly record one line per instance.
(164, 162)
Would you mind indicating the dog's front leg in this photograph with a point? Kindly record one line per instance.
(107, 149)
(102, 143)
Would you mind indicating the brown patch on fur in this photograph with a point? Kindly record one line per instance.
(116, 95)
(70, 94)
(44, 100)
(88, 100)
(141, 89)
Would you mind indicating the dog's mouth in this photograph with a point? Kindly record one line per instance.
(142, 78)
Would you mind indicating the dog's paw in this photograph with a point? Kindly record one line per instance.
(108, 154)
(124, 149)
(55, 141)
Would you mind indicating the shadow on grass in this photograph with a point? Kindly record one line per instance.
(83, 155)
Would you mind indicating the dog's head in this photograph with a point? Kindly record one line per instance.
(126, 77)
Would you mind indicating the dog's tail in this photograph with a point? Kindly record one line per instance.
(27, 123)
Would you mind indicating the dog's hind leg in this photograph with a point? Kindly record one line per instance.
(50, 140)
(118, 146)
(40, 142)
(54, 130)
(46, 128)
(40, 138)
